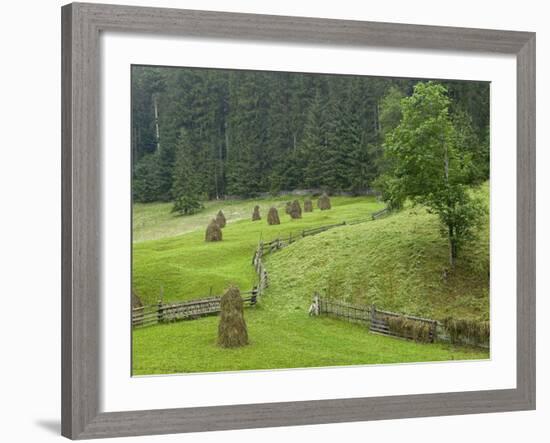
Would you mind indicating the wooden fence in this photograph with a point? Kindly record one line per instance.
(187, 310)
(388, 323)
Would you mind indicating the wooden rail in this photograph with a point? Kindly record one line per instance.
(187, 310)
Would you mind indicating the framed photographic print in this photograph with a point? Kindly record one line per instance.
(273, 221)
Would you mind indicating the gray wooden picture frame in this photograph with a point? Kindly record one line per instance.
(81, 230)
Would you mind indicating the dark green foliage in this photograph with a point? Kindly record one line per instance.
(241, 133)
(429, 161)
(187, 205)
(147, 185)
(232, 331)
(186, 186)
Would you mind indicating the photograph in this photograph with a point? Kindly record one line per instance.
(285, 220)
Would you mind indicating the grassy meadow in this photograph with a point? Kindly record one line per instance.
(398, 262)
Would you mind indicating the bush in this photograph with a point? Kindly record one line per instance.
(187, 205)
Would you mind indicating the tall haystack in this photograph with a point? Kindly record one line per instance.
(324, 202)
(232, 331)
(273, 216)
(295, 209)
(288, 207)
(256, 213)
(213, 232)
(136, 301)
(308, 205)
(220, 219)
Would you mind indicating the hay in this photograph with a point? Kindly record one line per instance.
(136, 301)
(408, 328)
(295, 209)
(288, 207)
(213, 232)
(232, 332)
(273, 217)
(308, 205)
(256, 213)
(471, 331)
(220, 219)
(324, 202)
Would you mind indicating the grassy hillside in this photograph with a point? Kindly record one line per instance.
(398, 263)
(186, 266)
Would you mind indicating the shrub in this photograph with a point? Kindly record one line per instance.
(187, 205)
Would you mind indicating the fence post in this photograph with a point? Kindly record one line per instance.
(160, 312)
(372, 314)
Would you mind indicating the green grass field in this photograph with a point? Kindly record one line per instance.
(396, 262)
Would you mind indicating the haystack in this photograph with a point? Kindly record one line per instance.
(232, 331)
(288, 207)
(256, 213)
(213, 232)
(273, 217)
(136, 301)
(324, 202)
(295, 209)
(308, 205)
(220, 219)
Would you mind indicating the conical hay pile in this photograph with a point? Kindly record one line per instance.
(324, 202)
(308, 205)
(273, 217)
(232, 331)
(220, 219)
(295, 209)
(256, 213)
(213, 232)
(288, 207)
(136, 301)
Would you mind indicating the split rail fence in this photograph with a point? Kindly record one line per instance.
(188, 310)
(388, 323)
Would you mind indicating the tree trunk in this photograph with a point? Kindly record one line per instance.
(157, 131)
(452, 248)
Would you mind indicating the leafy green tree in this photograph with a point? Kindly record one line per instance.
(428, 167)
